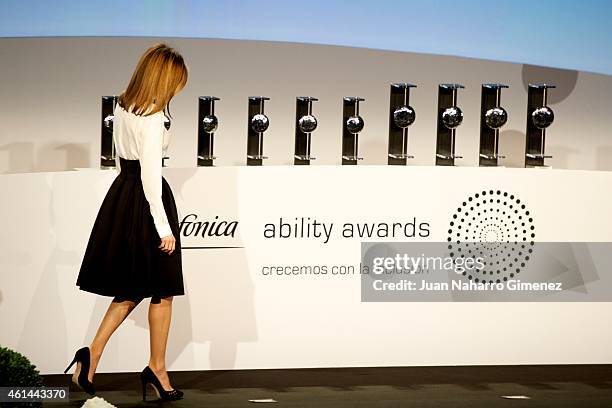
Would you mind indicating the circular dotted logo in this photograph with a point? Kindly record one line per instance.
(496, 226)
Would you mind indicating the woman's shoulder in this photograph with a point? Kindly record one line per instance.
(144, 117)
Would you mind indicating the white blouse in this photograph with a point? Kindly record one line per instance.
(144, 138)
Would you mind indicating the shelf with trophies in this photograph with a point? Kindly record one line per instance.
(401, 116)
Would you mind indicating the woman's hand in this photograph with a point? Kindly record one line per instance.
(167, 244)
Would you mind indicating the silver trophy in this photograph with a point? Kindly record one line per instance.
(352, 124)
(305, 124)
(450, 117)
(258, 123)
(401, 116)
(107, 148)
(492, 118)
(539, 118)
(207, 126)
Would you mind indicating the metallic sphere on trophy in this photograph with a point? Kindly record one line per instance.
(210, 123)
(307, 123)
(542, 117)
(404, 116)
(354, 124)
(108, 121)
(496, 117)
(260, 123)
(452, 117)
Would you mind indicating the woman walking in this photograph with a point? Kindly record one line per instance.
(134, 249)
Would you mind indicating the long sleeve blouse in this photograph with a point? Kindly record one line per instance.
(146, 139)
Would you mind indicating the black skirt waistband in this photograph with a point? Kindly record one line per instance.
(131, 166)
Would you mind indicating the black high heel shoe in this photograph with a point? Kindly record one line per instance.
(82, 358)
(147, 376)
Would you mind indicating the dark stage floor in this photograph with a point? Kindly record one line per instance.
(547, 386)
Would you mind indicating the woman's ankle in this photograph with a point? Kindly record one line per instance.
(95, 351)
(157, 367)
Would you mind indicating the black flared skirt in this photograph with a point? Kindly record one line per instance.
(122, 258)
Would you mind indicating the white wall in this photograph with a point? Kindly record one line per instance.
(50, 101)
(235, 317)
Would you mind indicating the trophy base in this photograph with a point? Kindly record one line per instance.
(206, 160)
(400, 156)
(538, 156)
(492, 156)
(303, 157)
(536, 159)
(448, 156)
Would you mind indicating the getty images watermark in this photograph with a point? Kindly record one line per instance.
(406, 264)
(485, 271)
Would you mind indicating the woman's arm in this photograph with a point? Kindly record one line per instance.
(150, 155)
(117, 163)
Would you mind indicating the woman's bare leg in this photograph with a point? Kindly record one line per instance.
(159, 324)
(115, 315)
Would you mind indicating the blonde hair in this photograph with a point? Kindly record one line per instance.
(160, 74)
